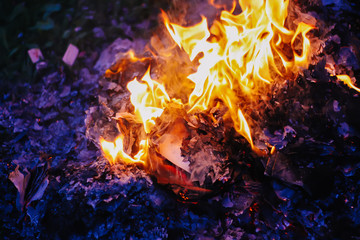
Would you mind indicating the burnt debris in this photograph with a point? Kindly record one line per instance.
(55, 184)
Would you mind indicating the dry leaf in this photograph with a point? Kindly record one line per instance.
(32, 186)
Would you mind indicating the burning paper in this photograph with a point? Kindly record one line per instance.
(227, 65)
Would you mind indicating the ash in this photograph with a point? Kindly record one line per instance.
(55, 184)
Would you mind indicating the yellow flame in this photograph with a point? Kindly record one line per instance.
(347, 80)
(149, 99)
(236, 57)
(114, 151)
(238, 54)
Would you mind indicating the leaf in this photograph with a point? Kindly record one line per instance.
(13, 51)
(48, 44)
(66, 34)
(3, 38)
(17, 179)
(20, 182)
(37, 183)
(50, 8)
(81, 35)
(31, 45)
(40, 191)
(32, 186)
(33, 213)
(18, 9)
(36, 213)
(48, 24)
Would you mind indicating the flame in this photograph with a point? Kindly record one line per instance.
(149, 99)
(235, 58)
(347, 81)
(239, 53)
(114, 151)
(129, 56)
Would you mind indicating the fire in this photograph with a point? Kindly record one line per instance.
(241, 53)
(149, 99)
(114, 151)
(236, 58)
(347, 81)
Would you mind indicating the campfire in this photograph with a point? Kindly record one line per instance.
(204, 80)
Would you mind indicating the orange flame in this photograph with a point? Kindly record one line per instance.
(347, 81)
(239, 54)
(236, 57)
(114, 151)
(149, 99)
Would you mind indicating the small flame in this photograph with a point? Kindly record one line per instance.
(347, 80)
(114, 151)
(149, 99)
(236, 58)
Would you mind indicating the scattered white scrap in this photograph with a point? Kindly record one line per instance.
(170, 148)
(35, 55)
(70, 55)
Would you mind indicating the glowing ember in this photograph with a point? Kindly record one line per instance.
(235, 60)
